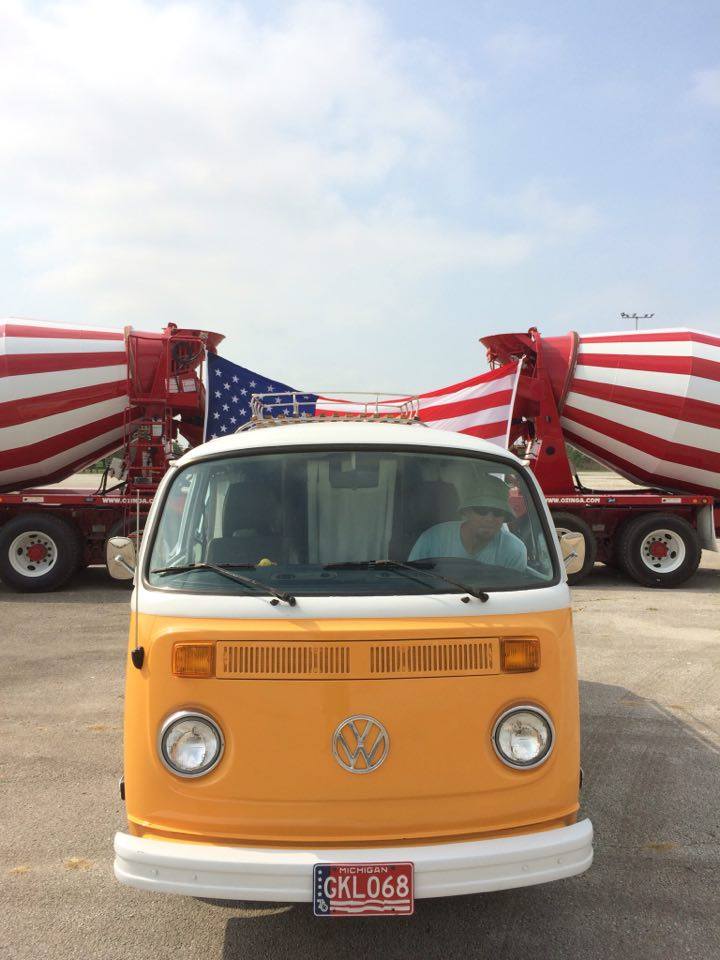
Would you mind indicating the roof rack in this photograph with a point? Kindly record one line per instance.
(284, 407)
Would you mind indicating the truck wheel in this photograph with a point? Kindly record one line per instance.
(570, 523)
(659, 550)
(38, 552)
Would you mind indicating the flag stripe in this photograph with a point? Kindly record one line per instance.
(479, 407)
(459, 408)
(494, 418)
(466, 385)
(492, 432)
(470, 391)
(458, 392)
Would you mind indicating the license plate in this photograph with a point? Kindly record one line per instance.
(363, 889)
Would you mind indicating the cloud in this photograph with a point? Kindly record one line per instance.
(537, 207)
(706, 86)
(521, 47)
(273, 178)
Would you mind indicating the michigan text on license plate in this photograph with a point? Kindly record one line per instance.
(362, 889)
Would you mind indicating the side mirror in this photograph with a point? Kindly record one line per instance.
(121, 558)
(572, 546)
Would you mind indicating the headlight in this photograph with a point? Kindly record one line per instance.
(190, 744)
(523, 736)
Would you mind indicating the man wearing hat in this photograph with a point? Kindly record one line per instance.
(481, 534)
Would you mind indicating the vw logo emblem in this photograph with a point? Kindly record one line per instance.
(360, 744)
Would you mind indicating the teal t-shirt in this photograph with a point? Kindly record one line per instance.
(444, 540)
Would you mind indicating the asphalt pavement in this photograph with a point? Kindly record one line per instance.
(649, 664)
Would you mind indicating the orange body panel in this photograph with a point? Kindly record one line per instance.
(278, 782)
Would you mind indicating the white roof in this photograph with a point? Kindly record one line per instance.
(334, 433)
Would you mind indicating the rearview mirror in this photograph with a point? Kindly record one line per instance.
(359, 471)
(121, 559)
(572, 546)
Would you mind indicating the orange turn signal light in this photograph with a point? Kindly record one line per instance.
(520, 655)
(193, 660)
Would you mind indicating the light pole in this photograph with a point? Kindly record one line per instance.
(636, 317)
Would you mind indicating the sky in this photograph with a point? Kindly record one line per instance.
(354, 193)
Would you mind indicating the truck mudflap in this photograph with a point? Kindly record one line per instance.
(706, 528)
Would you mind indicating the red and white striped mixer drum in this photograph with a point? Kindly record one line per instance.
(63, 396)
(647, 404)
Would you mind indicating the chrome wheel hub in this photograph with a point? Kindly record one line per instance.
(662, 550)
(32, 554)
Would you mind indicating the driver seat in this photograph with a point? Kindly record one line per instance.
(249, 525)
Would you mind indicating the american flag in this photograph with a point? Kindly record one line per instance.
(647, 404)
(479, 406)
(63, 396)
(230, 389)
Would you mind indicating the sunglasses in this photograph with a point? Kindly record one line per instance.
(485, 511)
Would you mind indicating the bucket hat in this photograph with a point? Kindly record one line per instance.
(492, 496)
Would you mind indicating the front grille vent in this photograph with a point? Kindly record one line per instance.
(278, 660)
(433, 659)
(244, 660)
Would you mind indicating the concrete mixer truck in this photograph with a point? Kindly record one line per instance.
(68, 397)
(645, 404)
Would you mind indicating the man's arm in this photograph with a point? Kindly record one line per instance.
(515, 553)
(420, 549)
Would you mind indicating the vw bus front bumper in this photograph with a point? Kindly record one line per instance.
(285, 875)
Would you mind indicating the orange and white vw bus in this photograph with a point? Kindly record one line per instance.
(351, 677)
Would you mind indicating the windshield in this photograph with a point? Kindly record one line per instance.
(326, 522)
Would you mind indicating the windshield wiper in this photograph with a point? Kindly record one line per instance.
(415, 566)
(224, 570)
